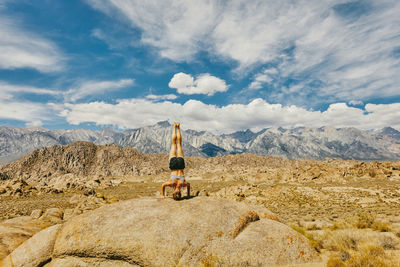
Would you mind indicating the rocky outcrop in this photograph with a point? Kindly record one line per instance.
(81, 159)
(163, 232)
(81, 166)
(85, 166)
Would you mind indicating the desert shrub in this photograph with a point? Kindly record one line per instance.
(219, 233)
(361, 221)
(381, 226)
(341, 224)
(315, 243)
(271, 217)
(364, 220)
(313, 226)
(335, 261)
(243, 221)
(398, 234)
(298, 229)
(368, 255)
(342, 240)
(388, 242)
(211, 261)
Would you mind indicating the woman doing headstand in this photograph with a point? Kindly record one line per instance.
(176, 164)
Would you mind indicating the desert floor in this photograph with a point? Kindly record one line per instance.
(342, 220)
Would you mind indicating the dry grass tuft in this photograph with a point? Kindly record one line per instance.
(342, 224)
(243, 221)
(381, 226)
(367, 255)
(271, 217)
(364, 220)
(343, 240)
(211, 261)
(335, 261)
(299, 229)
(388, 242)
(316, 244)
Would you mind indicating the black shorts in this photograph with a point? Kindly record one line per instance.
(176, 163)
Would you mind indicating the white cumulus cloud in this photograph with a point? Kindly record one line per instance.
(30, 112)
(356, 103)
(203, 84)
(162, 97)
(34, 124)
(266, 76)
(339, 50)
(256, 115)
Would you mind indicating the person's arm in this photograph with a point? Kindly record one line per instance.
(163, 188)
(188, 189)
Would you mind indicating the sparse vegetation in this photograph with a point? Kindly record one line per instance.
(341, 240)
(349, 204)
(341, 224)
(210, 261)
(364, 220)
(381, 226)
(388, 242)
(243, 221)
(368, 255)
(315, 243)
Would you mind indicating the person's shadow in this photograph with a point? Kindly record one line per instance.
(182, 198)
(186, 198)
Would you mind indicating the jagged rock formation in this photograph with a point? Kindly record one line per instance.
(163, 232)
(81, 165)
(313, 143)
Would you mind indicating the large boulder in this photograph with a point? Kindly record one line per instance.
(14, 232)
(163, 232)
(36, 251)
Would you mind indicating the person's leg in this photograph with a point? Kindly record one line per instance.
(172, 152)
(179, 141)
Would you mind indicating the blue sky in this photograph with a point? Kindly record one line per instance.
(217, 65)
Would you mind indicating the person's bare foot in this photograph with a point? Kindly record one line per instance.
(178, 125)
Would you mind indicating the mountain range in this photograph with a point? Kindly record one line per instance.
(301, 142)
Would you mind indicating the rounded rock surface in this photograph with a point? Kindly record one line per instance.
(191, 232)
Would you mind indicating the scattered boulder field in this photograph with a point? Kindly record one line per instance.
(84, 165)
(99, 205)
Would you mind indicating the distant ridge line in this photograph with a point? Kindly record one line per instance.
(301, 142)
